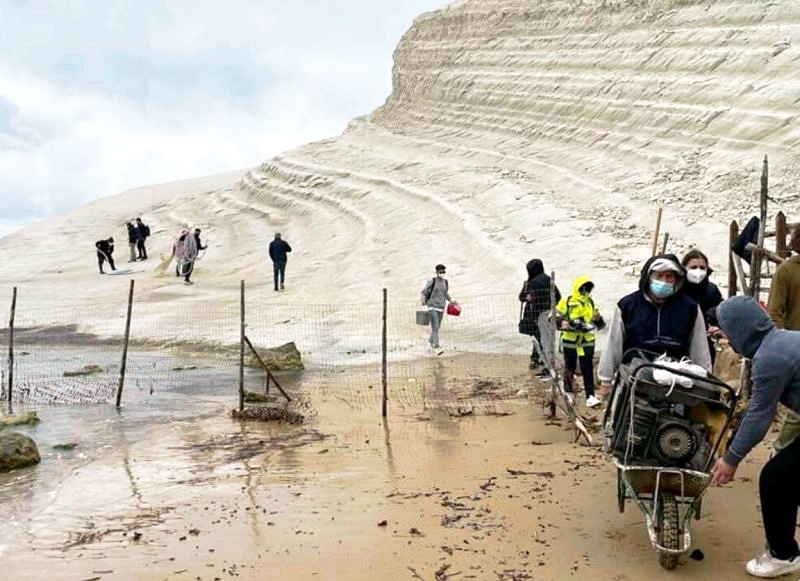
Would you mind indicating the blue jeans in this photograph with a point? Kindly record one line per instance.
(278, 272)
(436, 322)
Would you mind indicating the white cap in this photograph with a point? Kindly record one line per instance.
(665, 264)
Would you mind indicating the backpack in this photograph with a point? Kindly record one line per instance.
(145, 230)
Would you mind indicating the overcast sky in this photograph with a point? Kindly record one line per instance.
(100, 96)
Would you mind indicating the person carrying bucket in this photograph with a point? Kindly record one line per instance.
(435, 295)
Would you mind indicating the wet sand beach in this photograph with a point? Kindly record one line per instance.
(172, 488)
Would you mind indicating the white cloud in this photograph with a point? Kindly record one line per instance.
(100, 97)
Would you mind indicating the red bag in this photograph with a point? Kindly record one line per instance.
(453, 309)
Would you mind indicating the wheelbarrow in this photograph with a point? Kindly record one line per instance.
(663, 429)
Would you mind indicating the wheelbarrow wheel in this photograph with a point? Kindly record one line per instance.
(668, 530)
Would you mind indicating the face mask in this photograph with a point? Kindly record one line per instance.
(661, 289)
(440, 274)
(696, 275)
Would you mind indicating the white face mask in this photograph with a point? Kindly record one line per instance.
(696, 275)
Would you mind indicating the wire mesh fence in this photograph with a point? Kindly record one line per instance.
(71, 353)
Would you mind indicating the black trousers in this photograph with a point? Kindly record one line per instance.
(140, 247)
(779, 488)
(101, 258)
(187, 269)
(571, 360)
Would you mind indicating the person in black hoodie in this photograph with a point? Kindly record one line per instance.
(704, 292)
(657, 319)
(105, 248)
(535, 306)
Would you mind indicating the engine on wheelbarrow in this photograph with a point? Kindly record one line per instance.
(653, 424)
(659, 431)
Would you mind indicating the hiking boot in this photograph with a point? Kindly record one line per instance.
(544, 374)
(766, 565)
(592, 401)
(282, 287)
(187, 282)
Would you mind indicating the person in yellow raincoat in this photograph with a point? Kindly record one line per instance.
(577, 318)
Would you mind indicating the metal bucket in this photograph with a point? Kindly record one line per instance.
(423, 317)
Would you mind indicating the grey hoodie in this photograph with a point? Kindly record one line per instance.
(776, 369)
(439, 296)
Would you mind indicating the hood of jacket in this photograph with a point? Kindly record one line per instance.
(745, 323)
(578, 283)
(535, 267)
(644, 276)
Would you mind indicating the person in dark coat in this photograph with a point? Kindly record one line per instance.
(133, 240)
(705, 293)
(105, 248)
(278, 249)
(536, 305)
(144, 233)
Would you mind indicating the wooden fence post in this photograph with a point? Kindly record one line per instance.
(655, 233)
(241, 345)
(755, 259)
(781, 232)
(383, 359)
(11, 347)
(125, 345)
(732, 236)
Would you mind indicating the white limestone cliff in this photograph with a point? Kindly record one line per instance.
(515, 129)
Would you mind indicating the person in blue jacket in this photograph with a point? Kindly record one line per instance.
(775, 355)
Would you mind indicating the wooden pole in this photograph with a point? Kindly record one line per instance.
(383, 360)
(733, 234)
(11, 347)
(125, 345)
(755, 260)
(264, 365)
(737, 265)
(242, 339)
(781, 233)
(655, 233)
(773, 256)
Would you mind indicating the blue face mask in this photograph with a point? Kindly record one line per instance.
(661, 289)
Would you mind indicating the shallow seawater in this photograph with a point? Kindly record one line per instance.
(147, 486)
